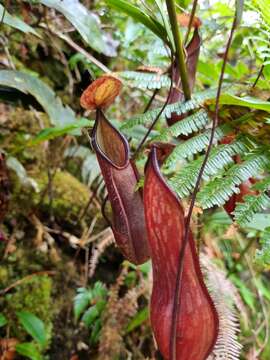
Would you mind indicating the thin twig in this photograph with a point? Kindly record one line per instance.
(258, 76)
(76, 47)
(192, 14)
(177, 298)
(179, 49)
(158, 115)
(27, 277)
(151, 100)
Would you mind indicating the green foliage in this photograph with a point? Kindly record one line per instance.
(55, 132)
(247, 101)
(29, 350)
(178, 108)
(3, 320)
(262, 256)
(33, 296)
(89, 304)
(33, 326)
(139, 15)
(188, 125)
(84, 21)
(196, 144)
(219, 190)
(183, 182)
(138, 319)
(244, 212)
(145, 80)
(59, 114)
(15, 22)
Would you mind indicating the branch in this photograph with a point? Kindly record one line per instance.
(180, 56)
(76, 47)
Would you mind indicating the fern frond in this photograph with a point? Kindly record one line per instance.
(179, 108)
(186, 126)
(262, 256)
(145, 80)
(196, 144)
(219, 190)
(184, 181)
(225, 297)
(244, 212)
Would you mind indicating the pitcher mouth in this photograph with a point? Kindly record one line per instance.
(115, 154)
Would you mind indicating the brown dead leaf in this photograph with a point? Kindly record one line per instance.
(8, 348)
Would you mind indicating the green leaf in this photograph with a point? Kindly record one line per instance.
(59, 114)
(95, 333)
(138, 319)
(84, 21)
(54, 132)
(15, 22)
(247, 101)
(29, 350)
(262, 256)
(90, 315)
(138, 15)
(3, 320)
(15, 165)
(81, 301)
(34, 327)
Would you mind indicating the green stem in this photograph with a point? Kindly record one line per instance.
(180, 56)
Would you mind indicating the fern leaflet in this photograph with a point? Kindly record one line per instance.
(145, 80)
(221, 156)
(219, 190)
(179, 108)
(196, 144)
(186, 126)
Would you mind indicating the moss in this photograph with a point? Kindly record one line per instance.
(35, 296)
(70, 196)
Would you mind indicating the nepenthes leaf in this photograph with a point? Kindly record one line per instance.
(197, 322)
(121, 177)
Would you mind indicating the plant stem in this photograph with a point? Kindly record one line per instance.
(180, 56)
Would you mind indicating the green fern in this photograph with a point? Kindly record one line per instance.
(220, 189)
(262, 256)
(183, 182)
(261, 42)
(145, 80)
(186, 126)
(179, 108)
(244, 212)
(196, 144)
